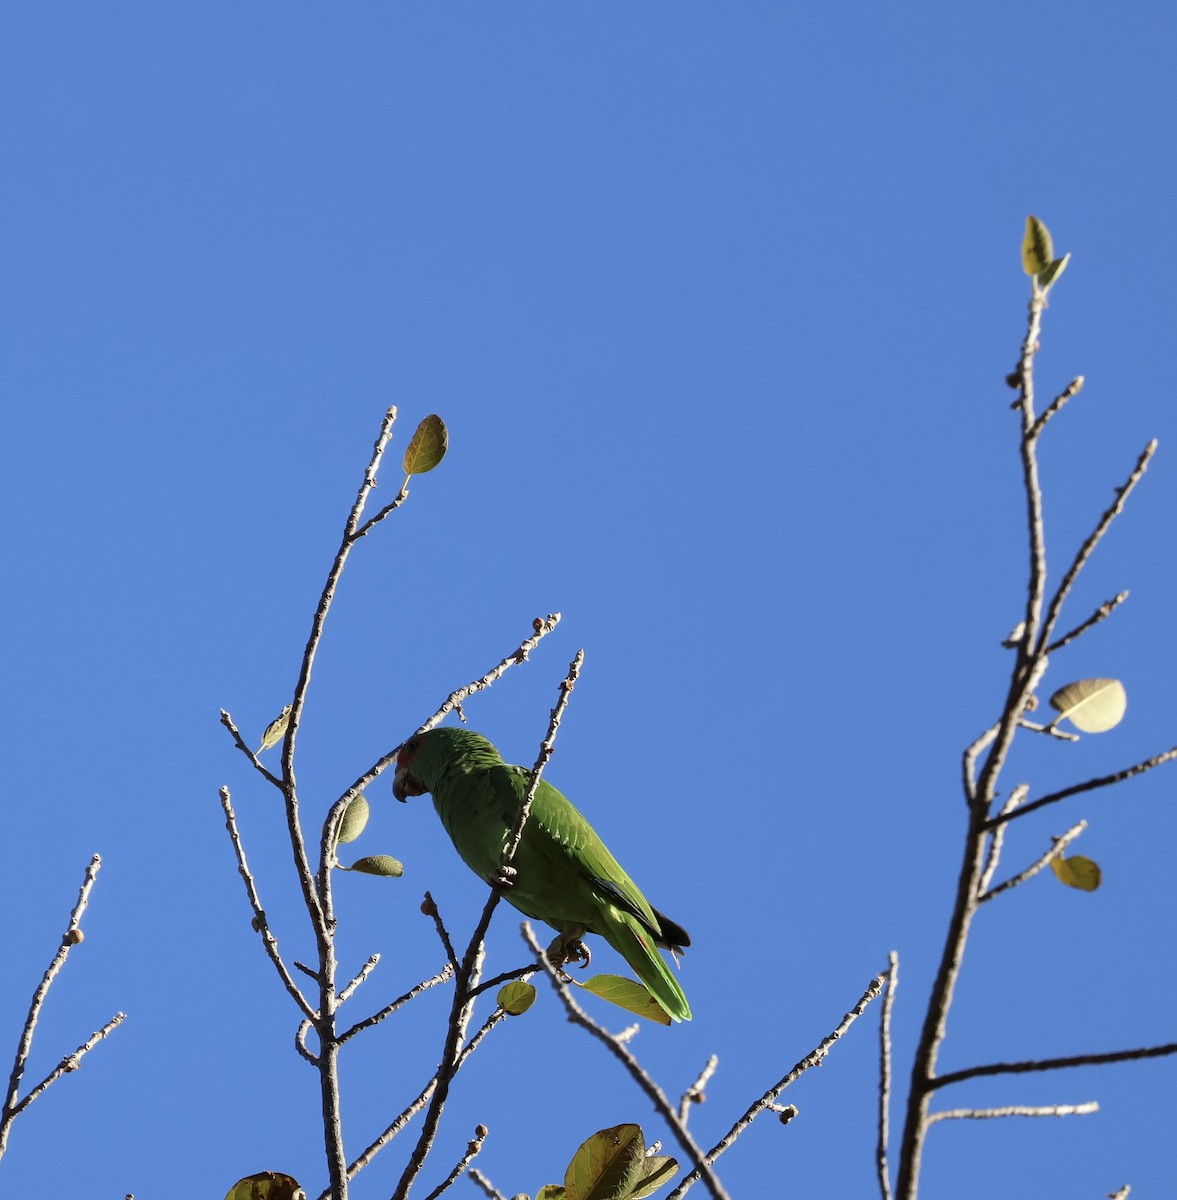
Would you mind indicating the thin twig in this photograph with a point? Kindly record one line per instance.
(696, 1094)
(506, 977)
(476, 1177)
(364, 972)
(767, 1101)
(240, 742)
(300, 1041)
(13, 1105)
(997, 838)
(430, 909)
(1102, 613)
(1088, 547)
(1015, 1110)
(1060, 844)
(260, 922)
(445, 973)
(1072, 389)
(577, 1015)
(882, 1166)
(1157, 760)
(1054, 1064)
(473, 1149)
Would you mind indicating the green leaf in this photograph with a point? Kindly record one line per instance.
(1077, 872)
(266, 1185)
(516, 997)
(607, 1166)
(1037, 247)
(1052, 272)
(657, 1171)
(378, 864)
(1092, 705)
(354, 818)
(276, 729)
(427, 446)
(551, 1191)
(634, 997)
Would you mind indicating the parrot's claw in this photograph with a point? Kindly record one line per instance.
(568, 948)
(504, 878)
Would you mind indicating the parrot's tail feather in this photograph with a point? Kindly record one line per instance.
(636, 945)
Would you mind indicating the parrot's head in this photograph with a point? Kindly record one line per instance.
(426, 757)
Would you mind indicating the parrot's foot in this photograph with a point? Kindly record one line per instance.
(568, 948)
(503, 878)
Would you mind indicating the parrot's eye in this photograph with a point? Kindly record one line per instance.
(412, 745)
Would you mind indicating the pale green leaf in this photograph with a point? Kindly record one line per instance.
(276, 729)
(427, 446)
(657, 1171)
(1053, 271)
(634, 997)
(551, 1191)
(354, 818)
(516, 997)
(1092, 705)
(607, 1165)
(266, 1185)
(1037, 247)
(378, 864)
(1077, 872)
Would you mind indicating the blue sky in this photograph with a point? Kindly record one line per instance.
(716, 301)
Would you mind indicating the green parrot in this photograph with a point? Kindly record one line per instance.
(565, 875)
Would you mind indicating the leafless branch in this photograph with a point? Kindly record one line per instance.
(997, 838)
(260, 923)
(1088, 547)
(1102, 613)
(476, 1177)
(767, 1101)
(472, 1151)
(1139, 768)
(1054, 1064)
(696, 1093)
(445, 973)
(1015, 1110)
(1060, 844)
(363, 974)
(1072, 389)
(13, 1103)
(619, 1050)
(884, 1139)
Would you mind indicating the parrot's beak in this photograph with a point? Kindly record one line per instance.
(404, 785)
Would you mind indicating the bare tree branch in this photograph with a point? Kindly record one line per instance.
(619, 1050)
(472, 1151)
(696, 1094)
(884, 1138)
(1054, 1064)
(1015, 1110)
(1102, 613)
(14, 1105)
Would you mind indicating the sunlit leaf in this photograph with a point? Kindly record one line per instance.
(551, 1191)
(276, 729)
(516, 997)
(427, 446)
(266, 1185)
(378, 864)
(354, 818)
(607, 1165)
(657, 1170)
(1037, 247)
(1092, 705)
(1077, 872)
(634, 997)
(1053, 271)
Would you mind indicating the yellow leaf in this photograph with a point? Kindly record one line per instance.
(276, 729)
(1092, 705)
(427, 446)
(1077, 872)
(1037, 247)
(266, 1185)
